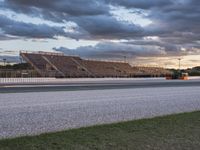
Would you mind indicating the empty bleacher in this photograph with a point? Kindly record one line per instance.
(39, 63)
(66, 65)
(57, 65)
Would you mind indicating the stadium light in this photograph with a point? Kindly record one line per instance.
(4, 61)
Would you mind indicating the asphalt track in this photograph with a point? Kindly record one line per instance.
(96, 85)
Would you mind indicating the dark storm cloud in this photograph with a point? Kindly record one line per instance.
(167, 47)
(178, 19)
(113, 50)
(21, 29)
(104, 27)
(142, 4)
(90, 15)
(175, 23)
(182, 16)
(4, 37)
(131, 49)
(68, 7)
(94, 18)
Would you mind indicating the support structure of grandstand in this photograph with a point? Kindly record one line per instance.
(59, 65)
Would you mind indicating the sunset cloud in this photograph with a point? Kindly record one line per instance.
(153, 28)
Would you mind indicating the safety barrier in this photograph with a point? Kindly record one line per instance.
(10, 81)
(21, 81)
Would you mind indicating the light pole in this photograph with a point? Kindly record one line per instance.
(4, 61)
(20, 59)
(179, 64)
(124, 59)
(4, 64)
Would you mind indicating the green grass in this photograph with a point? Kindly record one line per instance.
(174, 132)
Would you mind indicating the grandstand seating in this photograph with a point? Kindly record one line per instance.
(66, 65)
(55, 65)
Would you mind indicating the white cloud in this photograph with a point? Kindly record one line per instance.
(134, 16)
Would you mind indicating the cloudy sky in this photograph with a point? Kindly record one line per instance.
(146, 32)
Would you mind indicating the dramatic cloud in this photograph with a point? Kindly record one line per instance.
(4, 37)
(142, 4)
(110, 50)
(61, 8)
(93, 20)
(173, 28)
(10, 28)
(170, 18)
(107, 27)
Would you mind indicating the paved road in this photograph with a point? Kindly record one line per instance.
(39, 112)
(97, 85)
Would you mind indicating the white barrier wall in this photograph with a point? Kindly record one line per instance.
(26, 80)
(66, 80)
(8, 81)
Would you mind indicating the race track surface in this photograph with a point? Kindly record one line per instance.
(97, 85)
(35, 111)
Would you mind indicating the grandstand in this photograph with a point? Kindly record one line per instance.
(59, 65)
